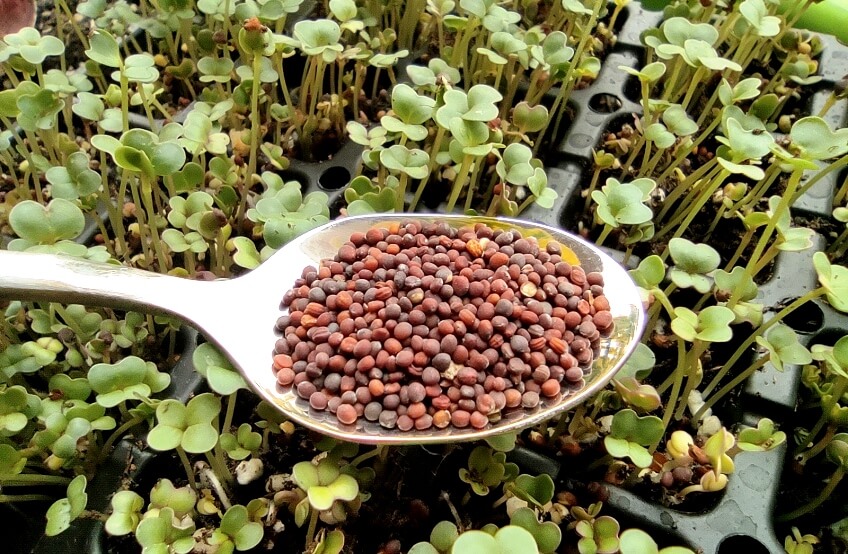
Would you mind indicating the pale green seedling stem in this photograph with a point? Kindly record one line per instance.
(782, 207)
(216, 461)
(231, 410)
(150, 208)
(11, 498)
(703, 198)
(434, 151)
(635, 149)
(678, 374)
(743, 243)
(70, 18)
(670, 84)
(687, 212)
(839, 388)
(559, 100)
(738, 380)
(685, 186)
(512, 86)
(401, 192)
(310, 531)
(769, 255)
(694, 85)
(255, 124)
(604, 234)
(832, 99)
(569, 81)
(684, 152)
(833, 482)
(818, 447)
(593, 184)
(759, 190)
(836, 165)
(125, 97)
(472, 185)
(812, 295)
(187, 467)
(461, 178)
(145, 103)
(287, 96)
(118, 433)
(113, 211)
(31, 479)
(142, 221)
(368, 455)
(691, 369)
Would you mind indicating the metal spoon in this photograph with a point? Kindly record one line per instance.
(238, 315)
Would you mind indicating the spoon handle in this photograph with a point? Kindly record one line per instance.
(52, 278)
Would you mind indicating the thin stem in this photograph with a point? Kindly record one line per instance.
(368, 455)
(29, 479)
(738, 380)
(684, 187)
(838, 390)
(11, 498)
(118, 433)
(822, 173)
(187, 467)
(459, 183)
(310, 531)
(677, 384)
(692, 365)
(819, 446)
(818, 500)
(401, 192)
(813, 294)
(231, 410)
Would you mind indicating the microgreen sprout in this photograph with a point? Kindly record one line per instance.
(629, 434)
(64, 511)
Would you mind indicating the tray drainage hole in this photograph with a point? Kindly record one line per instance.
(741, 543)
(808, 318)
(334, 178)
(605, 103)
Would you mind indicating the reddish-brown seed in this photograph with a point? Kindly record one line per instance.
(441, 419)
(460, 418)
(497, 260)
(512, 397)
(550, 388)
(478, 420)
(376, 387)
(285, 376)
(346, 414)
(603, 320)
(416, 410)
(403, 331)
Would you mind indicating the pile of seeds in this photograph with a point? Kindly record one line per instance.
(423, 325)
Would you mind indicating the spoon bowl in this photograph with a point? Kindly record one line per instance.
(238, 315)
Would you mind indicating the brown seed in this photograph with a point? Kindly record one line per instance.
(602, 320)
(403, 331)
(441, 419)
(497, 260)
(344, 300)
(346, 414)
(600, 303)
(460, 418)
(478, 420)
(285, 376)
(474, 248)
(550, 388)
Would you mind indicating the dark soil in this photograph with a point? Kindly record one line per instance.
(46, 24)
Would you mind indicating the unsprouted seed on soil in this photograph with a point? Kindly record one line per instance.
(425, 325)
